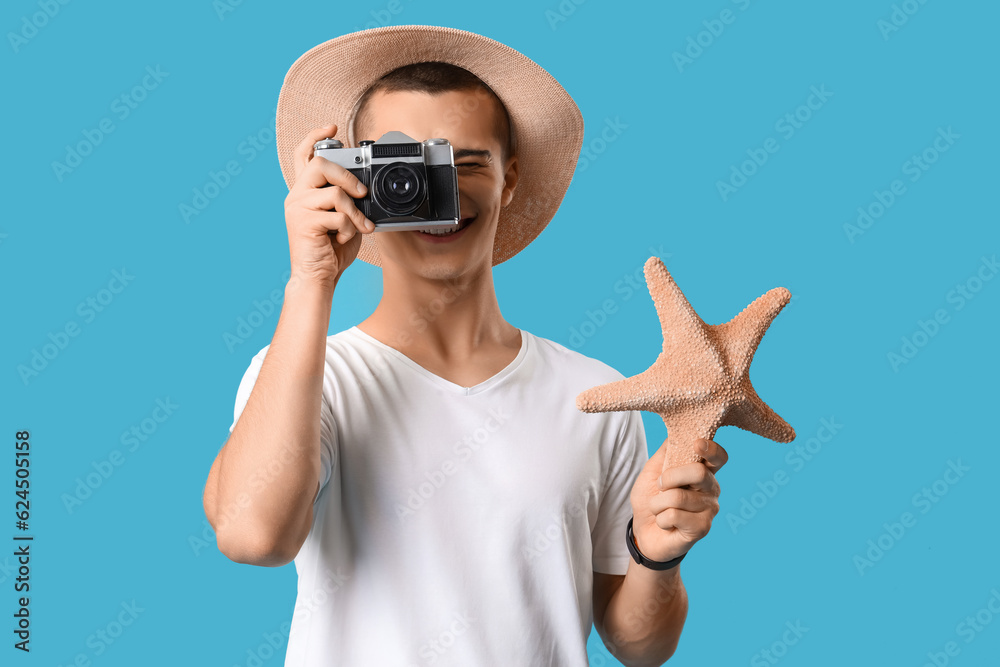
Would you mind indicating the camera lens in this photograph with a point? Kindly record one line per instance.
(399, 188)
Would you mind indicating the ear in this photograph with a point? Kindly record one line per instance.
(509, 181)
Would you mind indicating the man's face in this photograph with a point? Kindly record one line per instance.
(465, 118)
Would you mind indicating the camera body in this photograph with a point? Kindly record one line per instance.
(412, 185)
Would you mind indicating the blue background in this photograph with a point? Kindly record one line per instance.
(141, 534)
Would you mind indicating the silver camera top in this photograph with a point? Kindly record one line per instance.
(393, 147)
(327, 143)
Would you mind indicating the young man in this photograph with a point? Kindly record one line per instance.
(427, 469)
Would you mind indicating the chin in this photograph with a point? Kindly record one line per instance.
(431, 265)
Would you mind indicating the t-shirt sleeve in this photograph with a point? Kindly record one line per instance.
(610, 553)
(327, 432)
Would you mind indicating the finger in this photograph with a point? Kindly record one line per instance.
(333, 223)
(304, 150)
(321, 172)
(682, 499)
(334, 198)
(695, 524)
(693, 475)
(713, 453)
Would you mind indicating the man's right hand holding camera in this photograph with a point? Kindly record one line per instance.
(322, 220)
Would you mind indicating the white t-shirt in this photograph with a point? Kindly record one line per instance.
(459, 525)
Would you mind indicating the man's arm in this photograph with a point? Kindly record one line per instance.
(636, 631)
(262, 485)
(260, 489)
(640, 615)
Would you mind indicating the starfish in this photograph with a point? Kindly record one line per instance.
(700, 381)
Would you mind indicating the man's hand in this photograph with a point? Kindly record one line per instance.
(320, 215)
(674, 512)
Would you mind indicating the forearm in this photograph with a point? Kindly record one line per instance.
(645, 616)
(266, 475)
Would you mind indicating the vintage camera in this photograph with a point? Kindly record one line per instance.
(412, 185)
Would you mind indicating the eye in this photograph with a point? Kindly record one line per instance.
(469, 164)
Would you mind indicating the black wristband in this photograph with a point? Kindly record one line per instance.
(642, 560)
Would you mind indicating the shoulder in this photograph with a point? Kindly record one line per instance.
(343, 340)
(575, 366)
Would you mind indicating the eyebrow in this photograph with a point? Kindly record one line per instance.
(470, 152)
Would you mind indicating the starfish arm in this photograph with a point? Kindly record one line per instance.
(754, 415)
(684, 332)
(683, 429)
(645, 391)
(740, 336)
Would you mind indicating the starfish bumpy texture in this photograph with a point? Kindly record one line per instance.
(701, 379)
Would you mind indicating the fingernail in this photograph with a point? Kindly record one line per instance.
(703, 447)
(369, 225)
(361, 188)
(660, 482)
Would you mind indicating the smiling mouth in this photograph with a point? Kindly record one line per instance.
(462, 224)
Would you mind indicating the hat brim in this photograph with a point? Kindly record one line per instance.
(325, 83)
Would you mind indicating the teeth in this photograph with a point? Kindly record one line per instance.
(445, 232)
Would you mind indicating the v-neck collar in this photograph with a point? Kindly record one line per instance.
(448, 385)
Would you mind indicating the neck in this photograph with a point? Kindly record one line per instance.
(448, 317)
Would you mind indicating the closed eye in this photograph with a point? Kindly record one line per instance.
(470, 164)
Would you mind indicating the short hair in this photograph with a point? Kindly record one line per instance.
(437, 77)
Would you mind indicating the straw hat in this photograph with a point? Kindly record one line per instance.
(324, 84)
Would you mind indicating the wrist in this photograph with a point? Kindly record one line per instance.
(299, 286)
(643, 559)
